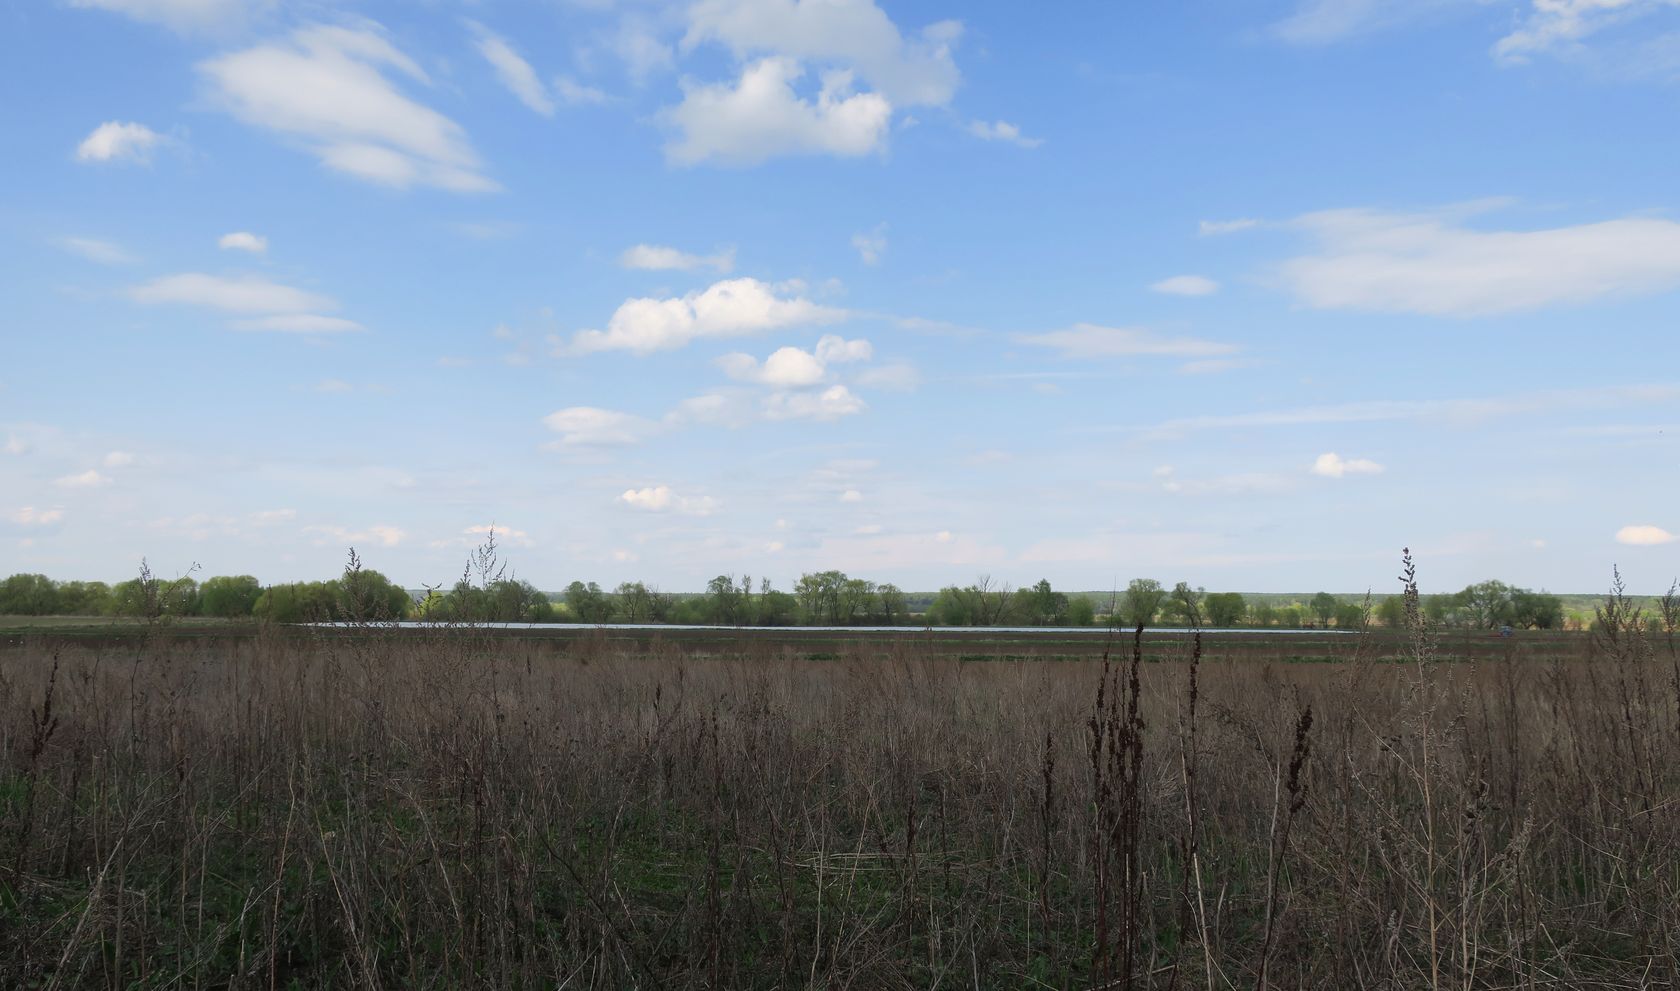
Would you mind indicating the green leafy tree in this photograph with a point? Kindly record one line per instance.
(229, 596)
(366, 596)
(1225, 609)
(819, 596)
(1536, 610)
(777, 608)
(1041, 605)
(729, 604)
(588, 603)
(1265, 614)
(1486, 604)
(1184, 605)
(1444, 609)
(857, 602)
(84, 599)
(299, 602)
(949, 608)
(1350, 616)
(1391, 611)
(433, 607)
(986, 602)
(28, 595)
(1142, 601)
(635, 602)
(512, 600)
(1323, 606)
(894, 608)
(1080, 612)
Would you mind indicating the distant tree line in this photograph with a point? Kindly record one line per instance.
(824, 598)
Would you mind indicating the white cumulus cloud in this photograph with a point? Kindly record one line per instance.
(761, 116)
(328, 88)
(1644, 535)
(857, 34)
(792, 367)
(661, 499)
(731, 308)
(1002, 130)
(1333, 465)
(256, 244)
(118, 141)
(830, 404)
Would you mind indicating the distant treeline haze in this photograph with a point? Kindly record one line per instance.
(825, 598)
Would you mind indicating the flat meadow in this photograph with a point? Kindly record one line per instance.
(460, 808)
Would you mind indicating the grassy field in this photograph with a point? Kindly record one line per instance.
(450, 809)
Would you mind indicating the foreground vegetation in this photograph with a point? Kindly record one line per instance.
(455, 810)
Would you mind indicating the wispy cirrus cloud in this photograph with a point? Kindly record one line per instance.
(1432, 263)
(1213, 228)
(659, 258)
(237, 294)
(32, 516)
(90, 479)
(1086, 340)
(330, 88)
(871, 245)
(592, 426)
(511, 68)
(1553, 26)
(186, 16)
(119, 141)
(382, 534)
(1186, 285)
(96, 250)
(1455, 410)
(269, 305)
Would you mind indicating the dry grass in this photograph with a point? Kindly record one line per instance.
(460, 811)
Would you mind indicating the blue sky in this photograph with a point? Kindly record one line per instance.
(1244, 294)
